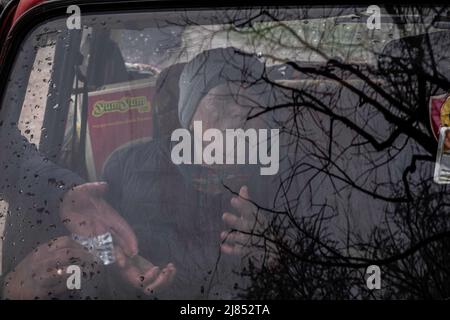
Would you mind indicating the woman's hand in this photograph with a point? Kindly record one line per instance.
(247, 237)
(42, 274)
(85, 212)
(143, 275)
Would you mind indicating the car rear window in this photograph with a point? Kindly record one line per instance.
(264, 153)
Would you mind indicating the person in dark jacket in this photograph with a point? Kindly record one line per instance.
(189, 214)
(183, 217)
(47, 203)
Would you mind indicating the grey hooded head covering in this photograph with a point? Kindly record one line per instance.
(210, 69)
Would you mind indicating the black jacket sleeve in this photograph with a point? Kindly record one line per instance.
(30, 184)
(24, 169)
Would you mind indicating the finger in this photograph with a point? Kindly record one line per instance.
(66, 256)
(163, 279)
(120, 257)
(135, 277)
(150, 276)
(243, 193)
(243, 205)
(55, 279)
(234, 237)
(64, 249)
(54, 269)
(173, 272)
(232, 220)
(232, 249)
(139, 271)
(59, 243)
(58, 252)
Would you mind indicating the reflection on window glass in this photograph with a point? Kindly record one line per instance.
(225, 154)
(33, 109)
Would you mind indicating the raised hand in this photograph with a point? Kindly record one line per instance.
(247, 228)
(85, 212)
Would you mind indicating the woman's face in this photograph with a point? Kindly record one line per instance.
(227, 107)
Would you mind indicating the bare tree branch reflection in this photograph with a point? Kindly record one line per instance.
(357, 132)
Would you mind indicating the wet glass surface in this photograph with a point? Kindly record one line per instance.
(265, 153)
